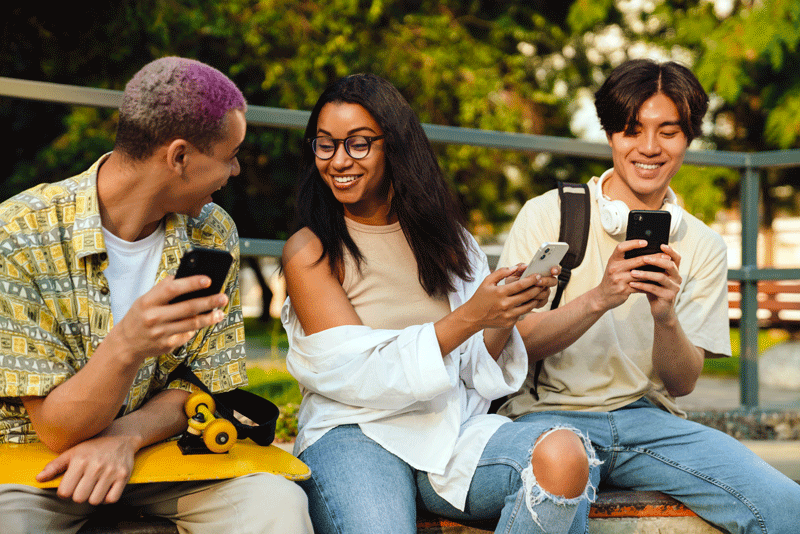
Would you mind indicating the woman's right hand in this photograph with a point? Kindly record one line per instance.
(499, 305)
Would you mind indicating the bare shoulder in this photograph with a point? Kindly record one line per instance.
(302, 250)
(317, 295)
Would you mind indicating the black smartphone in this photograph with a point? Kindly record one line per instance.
(208, 261)
(651, 225)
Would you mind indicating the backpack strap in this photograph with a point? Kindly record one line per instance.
(574, 230)
(258, 409)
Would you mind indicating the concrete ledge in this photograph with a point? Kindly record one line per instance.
(615, 512)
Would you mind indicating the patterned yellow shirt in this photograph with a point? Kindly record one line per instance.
(55, 307)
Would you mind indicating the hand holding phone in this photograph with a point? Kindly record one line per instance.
(548, 256)
(208, 261)
(652, 226)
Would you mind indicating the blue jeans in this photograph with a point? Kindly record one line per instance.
(358, 487)
(645, 448)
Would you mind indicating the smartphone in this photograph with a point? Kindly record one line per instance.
(548, 256)
(651, 225)
(208, 261)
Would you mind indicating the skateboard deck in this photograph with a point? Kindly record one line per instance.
(162, 462)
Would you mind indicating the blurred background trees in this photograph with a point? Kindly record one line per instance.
(503, 65)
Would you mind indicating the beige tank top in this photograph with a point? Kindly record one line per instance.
(386, 292)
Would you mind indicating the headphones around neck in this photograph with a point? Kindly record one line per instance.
(614, 213)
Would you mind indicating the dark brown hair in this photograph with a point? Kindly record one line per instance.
(629, 85)
(427, 210)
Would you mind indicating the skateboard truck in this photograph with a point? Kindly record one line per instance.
(206, 433)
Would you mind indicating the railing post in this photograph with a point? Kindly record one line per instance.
(748, 324)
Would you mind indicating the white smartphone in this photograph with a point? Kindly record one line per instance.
(548, 256)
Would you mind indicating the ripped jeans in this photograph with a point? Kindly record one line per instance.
(359, 487)
(645, 448)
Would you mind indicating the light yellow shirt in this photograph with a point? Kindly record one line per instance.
(611, 366)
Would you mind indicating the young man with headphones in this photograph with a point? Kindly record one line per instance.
(619, 348)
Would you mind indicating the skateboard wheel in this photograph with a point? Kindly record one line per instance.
(220, 435)
(198, 423)
(197, 399)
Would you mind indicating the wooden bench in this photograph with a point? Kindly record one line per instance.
(615, 512)
(775, 298)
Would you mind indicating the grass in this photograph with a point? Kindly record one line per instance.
(270, 379)
(266, 333)
(730, 366)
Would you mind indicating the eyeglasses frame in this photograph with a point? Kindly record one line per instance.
(337, 142)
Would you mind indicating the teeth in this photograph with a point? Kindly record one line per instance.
(343, 179)
(646, 166)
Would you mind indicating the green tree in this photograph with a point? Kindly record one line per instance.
(750, 61)
(458, 63)
(501, 65)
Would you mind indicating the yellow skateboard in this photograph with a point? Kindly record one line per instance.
(166, 461)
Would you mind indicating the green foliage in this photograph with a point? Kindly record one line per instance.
(89, 133)
(730, 366)
(585, 15)
(277, 385)
(458, 63)
(281, 388)
(702, 189)
(501, 65)
(286, 425)
(782, 127)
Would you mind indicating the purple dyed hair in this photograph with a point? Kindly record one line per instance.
(174, 98)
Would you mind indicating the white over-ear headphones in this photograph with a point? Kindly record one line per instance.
(614, 213)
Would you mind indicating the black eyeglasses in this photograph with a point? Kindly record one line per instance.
(356, 146)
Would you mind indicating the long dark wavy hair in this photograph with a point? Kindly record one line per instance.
(428, 212)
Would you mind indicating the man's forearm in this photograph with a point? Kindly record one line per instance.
(676, 361)
(546, 333)
(158, 419)
(86, 403)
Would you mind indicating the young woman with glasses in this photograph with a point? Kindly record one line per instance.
(400, 338)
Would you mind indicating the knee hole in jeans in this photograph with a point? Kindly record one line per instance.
(560, 464)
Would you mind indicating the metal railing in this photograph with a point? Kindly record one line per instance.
(748, 164)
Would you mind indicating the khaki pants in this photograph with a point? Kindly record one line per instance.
(259, 503)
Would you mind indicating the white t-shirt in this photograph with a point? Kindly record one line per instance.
(610, 366)
(132, 268)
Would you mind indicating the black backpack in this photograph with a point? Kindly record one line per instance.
(574, 230)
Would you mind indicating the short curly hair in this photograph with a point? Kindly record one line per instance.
(632, 83)
(174, 98)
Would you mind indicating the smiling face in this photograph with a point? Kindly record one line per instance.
(208, 172)
(646, 160)
(359, 184)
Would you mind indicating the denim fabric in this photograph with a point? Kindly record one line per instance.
(358, 487)
(645, 448)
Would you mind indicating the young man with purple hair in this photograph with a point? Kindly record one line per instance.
(88, 336)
